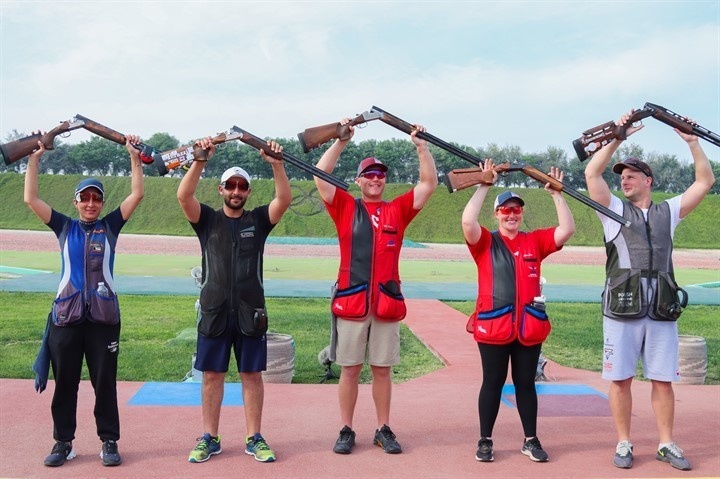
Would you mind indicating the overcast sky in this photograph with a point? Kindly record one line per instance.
(531, 74)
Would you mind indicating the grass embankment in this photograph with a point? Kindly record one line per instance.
(439, 222)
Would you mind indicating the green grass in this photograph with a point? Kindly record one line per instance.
(158, 337)
(576, 339)
(326, 269)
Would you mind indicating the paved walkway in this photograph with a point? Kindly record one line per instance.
(435, 417)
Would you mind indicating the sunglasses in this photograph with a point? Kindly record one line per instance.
(508, 210)
(84, 197)
(231, 185)
(371, 175)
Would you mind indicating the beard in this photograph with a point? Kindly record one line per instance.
(234, 206)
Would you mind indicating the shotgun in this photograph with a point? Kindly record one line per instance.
(19, 149)
(313, 137)
(184, 156)
(465, 177)
(260, 144)
(594, 139)
(316, 136)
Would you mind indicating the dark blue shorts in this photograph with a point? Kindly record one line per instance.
(213, 354)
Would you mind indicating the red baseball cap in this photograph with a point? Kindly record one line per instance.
(367, 163)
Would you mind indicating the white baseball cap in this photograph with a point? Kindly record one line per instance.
(234, 171)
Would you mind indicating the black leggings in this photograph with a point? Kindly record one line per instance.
(524, 361)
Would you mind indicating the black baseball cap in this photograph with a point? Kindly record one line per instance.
(635, 164)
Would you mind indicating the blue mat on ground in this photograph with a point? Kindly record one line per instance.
(564, 400)
(181, 394)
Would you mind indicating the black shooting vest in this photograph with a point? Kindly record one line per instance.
(639, 265)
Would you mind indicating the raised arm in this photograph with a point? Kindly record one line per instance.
(30, 195)
(428, 173)
(470, 224)
(137, 189)
(566, 222)
(186, 191)
(327, 163)
(283, 195)
(596, 184)
(704, 176)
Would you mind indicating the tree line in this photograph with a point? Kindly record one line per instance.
(100, 157)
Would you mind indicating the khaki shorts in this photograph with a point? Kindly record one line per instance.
(378, 340)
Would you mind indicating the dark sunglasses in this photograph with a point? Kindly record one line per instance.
(507, 210)
(84, 197)
(370, 175)
(231, 185)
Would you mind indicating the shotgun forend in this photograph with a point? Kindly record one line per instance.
(260, 144)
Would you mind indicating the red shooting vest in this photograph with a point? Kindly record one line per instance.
(507, 284)
(368, 279)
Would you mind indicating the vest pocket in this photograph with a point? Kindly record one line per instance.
(534, 326)
(391, 303)
(494, 327)
(622, 297)
(352, 303)
(68, 310)
(104, 309)
(667, 304)
(251, 321)
(213, 320)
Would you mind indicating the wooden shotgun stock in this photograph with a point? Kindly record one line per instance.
(459, 179)
(313, 137)
(19, 149)
(594, 139)
(184, 156)
(260, 144)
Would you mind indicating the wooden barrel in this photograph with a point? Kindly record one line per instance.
(692, 359)
(280, 358)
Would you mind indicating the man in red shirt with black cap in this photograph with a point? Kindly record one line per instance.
(368, 302)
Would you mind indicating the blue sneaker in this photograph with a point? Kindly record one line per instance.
(206, 448)
(623, 455)
(674, 455)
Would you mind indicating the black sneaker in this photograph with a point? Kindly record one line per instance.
(109, 454)
(385, 438)
(485, 450)
(62, 451)
(532, 449)
(345, 442)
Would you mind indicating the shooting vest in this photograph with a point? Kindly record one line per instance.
(232, 281)
(87, 260)
(506, 290)
(640, 256)
(369, 267)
